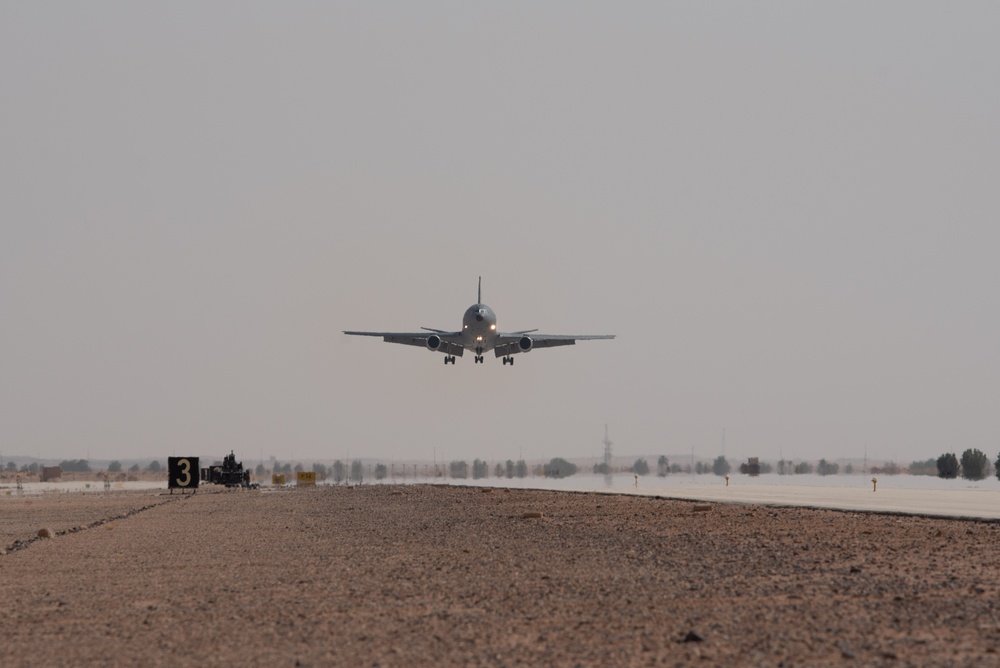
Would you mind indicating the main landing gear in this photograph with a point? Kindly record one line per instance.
(508, 360)
(449, 359)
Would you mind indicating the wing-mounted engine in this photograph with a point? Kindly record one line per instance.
(435, 343)
(512, 346)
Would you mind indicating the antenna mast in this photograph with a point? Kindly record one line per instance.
(607, 457)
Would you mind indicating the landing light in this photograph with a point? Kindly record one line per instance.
(479, 338)
(493, 327)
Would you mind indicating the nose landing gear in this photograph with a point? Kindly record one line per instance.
(478, 359)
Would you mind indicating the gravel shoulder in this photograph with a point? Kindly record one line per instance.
(424, 575)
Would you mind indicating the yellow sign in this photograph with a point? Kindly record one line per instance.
(277, 478)
(306, 477)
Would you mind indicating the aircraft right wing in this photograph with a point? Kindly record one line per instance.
(522, 342)
(449, 343)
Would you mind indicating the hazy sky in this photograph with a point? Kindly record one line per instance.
(789, 213)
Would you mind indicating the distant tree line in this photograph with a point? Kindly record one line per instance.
(75, 465)
(973, 465)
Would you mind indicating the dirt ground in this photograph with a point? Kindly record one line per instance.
(421, 575)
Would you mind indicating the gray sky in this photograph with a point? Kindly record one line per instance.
(787, 212)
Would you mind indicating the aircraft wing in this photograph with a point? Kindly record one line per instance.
(449, 343)
(522, 342)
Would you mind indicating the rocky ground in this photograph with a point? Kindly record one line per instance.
(399, 576)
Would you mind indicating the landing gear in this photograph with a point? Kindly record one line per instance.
(478, 359)
(508, 360)
(449, 359)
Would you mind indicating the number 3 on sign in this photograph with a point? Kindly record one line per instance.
(182, 472)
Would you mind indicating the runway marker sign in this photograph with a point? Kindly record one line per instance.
(305, 478)
(182, 473)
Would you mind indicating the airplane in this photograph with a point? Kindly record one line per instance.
(479, 334)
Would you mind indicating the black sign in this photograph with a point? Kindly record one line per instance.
(183, 472)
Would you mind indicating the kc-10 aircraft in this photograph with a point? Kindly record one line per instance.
(479, 334)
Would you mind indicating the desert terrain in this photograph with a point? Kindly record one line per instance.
(386, 575)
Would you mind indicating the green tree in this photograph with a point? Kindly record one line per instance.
(115, 467)
(381, 471)
(499, 471)
(357, 474)
(510, 468)
(720, 466)
(260, 471)
(803, 468)
(602, 469)
(641, 467)
(320, 471)
(926, 467)
(521, 469)
(458, 469)
(480, 469)
(558, 468)
(662, 466)
(974, 464)
(947, 465)
(996, 467)
(338, 471)
(827, 468)
(12, 465)
(154, 467)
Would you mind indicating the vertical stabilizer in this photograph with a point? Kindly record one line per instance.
(479, 295)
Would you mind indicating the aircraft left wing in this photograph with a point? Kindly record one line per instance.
(522, 342)
(448, 343)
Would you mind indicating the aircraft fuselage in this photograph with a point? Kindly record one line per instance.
(479, 329)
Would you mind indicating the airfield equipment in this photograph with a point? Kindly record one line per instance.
(752, 467)
(230, 474)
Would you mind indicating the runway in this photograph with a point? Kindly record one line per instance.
(904, 494)
(911, 495)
